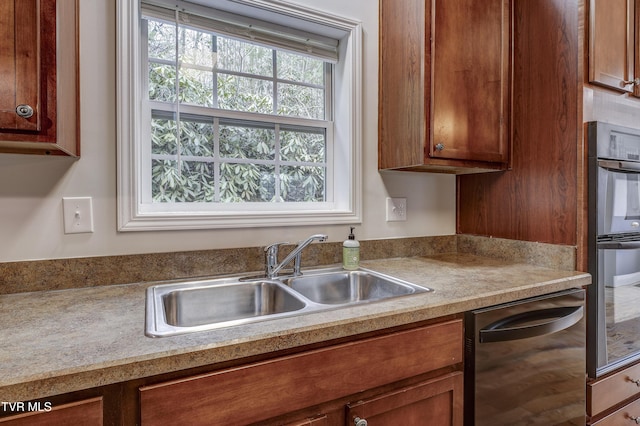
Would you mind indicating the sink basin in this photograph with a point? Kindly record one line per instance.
(347, 287)
(207, 304)
(204, 305)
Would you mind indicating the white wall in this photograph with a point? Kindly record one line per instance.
(610, 107)
(32, 187)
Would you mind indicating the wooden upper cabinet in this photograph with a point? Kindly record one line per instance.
(614, 46)
(39, 84)
(19, 67)
(445, 85)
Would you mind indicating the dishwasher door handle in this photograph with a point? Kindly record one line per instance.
(545, 321)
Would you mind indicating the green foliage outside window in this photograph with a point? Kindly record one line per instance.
(233, 160)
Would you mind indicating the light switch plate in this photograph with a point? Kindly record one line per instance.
(78, 215)
(396, 209)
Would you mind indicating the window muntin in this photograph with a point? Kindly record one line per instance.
(212, 158)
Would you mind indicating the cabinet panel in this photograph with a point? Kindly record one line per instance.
(611, 390)
(611, 43)
(272, 388)
(405, 83)
(81, 413)
(538, 199)
(19, 67)
(470, 65)
(625, 416)
(55, 123)
(444, 87)
(435, 402)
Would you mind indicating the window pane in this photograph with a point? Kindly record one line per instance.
(163, 136)
(238, 56)
(246, 182)
(302, 146)
(198, 181)
(197, 48)
(196, 87)
(197, 138)
(300, 101)
(247, 142)
(300, 68)
(245, 94)
(162, 40)
(220, 73)
(302, 183)
(162, 83)
(166, 181)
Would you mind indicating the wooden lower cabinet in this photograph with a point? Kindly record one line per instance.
(615, 398)
(432, 402)
(626, 415)
(436, 402)
(321, 420)
(408, 376)
(81, 413)
(344, 379)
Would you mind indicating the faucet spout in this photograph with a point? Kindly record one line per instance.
(272, 267)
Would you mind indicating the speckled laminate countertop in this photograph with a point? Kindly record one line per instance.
(54, 342)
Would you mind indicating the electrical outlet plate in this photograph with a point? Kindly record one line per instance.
(78, 215)
(396, 209)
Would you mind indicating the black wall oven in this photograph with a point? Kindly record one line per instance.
(613, 322)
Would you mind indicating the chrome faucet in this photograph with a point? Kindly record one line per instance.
(272, 267)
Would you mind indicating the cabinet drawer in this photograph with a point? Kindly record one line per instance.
(622, 417)
(87, 412)
(271, 388)
(611, 390)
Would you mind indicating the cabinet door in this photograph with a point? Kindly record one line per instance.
(612, 54)
(19, 67)
(404, 83)
(470, 86)
(39, 66)
(625, 416)
(436, 402)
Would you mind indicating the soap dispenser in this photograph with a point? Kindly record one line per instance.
(351, 252)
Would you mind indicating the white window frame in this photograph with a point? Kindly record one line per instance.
(134, 214)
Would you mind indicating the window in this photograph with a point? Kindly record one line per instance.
(230, 120)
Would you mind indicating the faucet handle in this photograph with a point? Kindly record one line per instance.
(271, 257)
(273, 248)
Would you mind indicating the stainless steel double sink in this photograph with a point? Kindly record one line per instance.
(206, 304)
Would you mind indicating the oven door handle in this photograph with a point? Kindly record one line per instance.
(542, 322)
(619, 245)
(621, 166)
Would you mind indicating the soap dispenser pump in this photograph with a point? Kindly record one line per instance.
(351, 252)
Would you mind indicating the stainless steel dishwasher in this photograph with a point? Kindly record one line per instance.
(525, 362)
